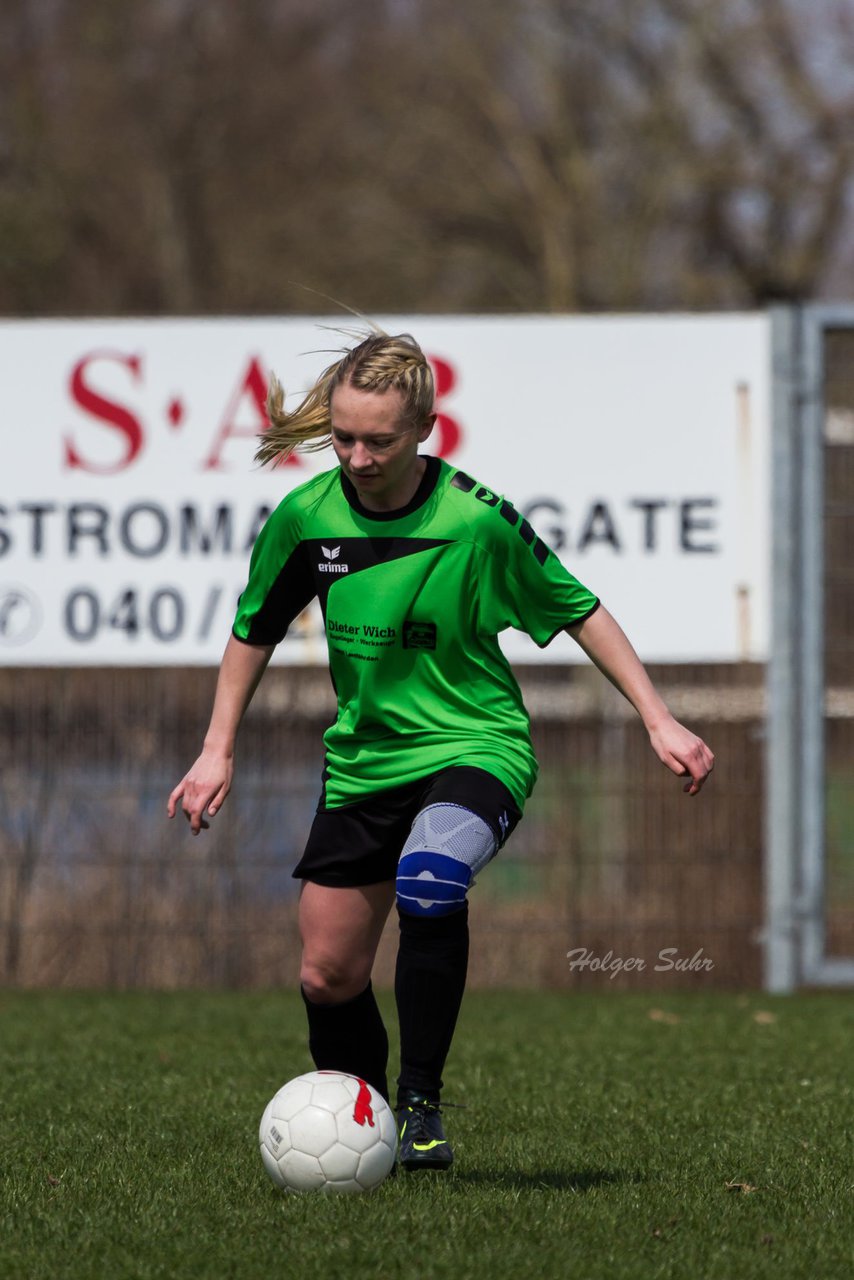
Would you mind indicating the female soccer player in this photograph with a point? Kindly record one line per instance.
(418, 568)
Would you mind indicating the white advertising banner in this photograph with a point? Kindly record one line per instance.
(637, 447)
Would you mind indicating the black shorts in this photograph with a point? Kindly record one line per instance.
(360, 843)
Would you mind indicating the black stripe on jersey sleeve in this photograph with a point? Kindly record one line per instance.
(292, 591)
(461, 481)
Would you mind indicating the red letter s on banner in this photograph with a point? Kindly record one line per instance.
(107, 411)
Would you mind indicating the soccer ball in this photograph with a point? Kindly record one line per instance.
(327, 1131)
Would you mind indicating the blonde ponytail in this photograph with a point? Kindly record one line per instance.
(379, 363)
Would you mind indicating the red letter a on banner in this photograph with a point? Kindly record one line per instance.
(254, 387)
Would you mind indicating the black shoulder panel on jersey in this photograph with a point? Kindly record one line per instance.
(462, 481)
(292, 591)
(333, 558)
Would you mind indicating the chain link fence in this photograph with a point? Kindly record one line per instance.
(839, 639)
(614, 877)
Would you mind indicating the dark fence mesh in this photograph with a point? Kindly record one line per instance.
(839, 639)
(612, 861)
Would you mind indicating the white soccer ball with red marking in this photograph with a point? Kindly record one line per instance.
(327, 1131)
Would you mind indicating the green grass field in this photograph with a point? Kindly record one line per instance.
(604, 1136)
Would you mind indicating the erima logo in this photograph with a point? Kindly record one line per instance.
(326, 566)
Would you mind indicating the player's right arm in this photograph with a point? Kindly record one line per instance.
(204, 787)
(280, 586)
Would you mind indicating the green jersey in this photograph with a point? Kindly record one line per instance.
(413, 602)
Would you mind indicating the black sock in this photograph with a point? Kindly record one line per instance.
(429, 982)
(350, 1037)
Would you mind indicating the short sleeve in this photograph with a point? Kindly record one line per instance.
(280, 583)
(529, 588)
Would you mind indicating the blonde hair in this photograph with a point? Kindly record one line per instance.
(379, 363)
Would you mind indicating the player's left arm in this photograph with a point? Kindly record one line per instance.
(605, 643)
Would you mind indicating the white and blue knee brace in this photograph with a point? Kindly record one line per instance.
(447, 846)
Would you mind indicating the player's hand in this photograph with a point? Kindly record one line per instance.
(683, 752)
(202, 790)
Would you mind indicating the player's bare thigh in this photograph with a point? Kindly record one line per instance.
(340, 930)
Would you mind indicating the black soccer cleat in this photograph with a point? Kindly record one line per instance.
(423, 1144)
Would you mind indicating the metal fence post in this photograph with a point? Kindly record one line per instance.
(782, 818)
